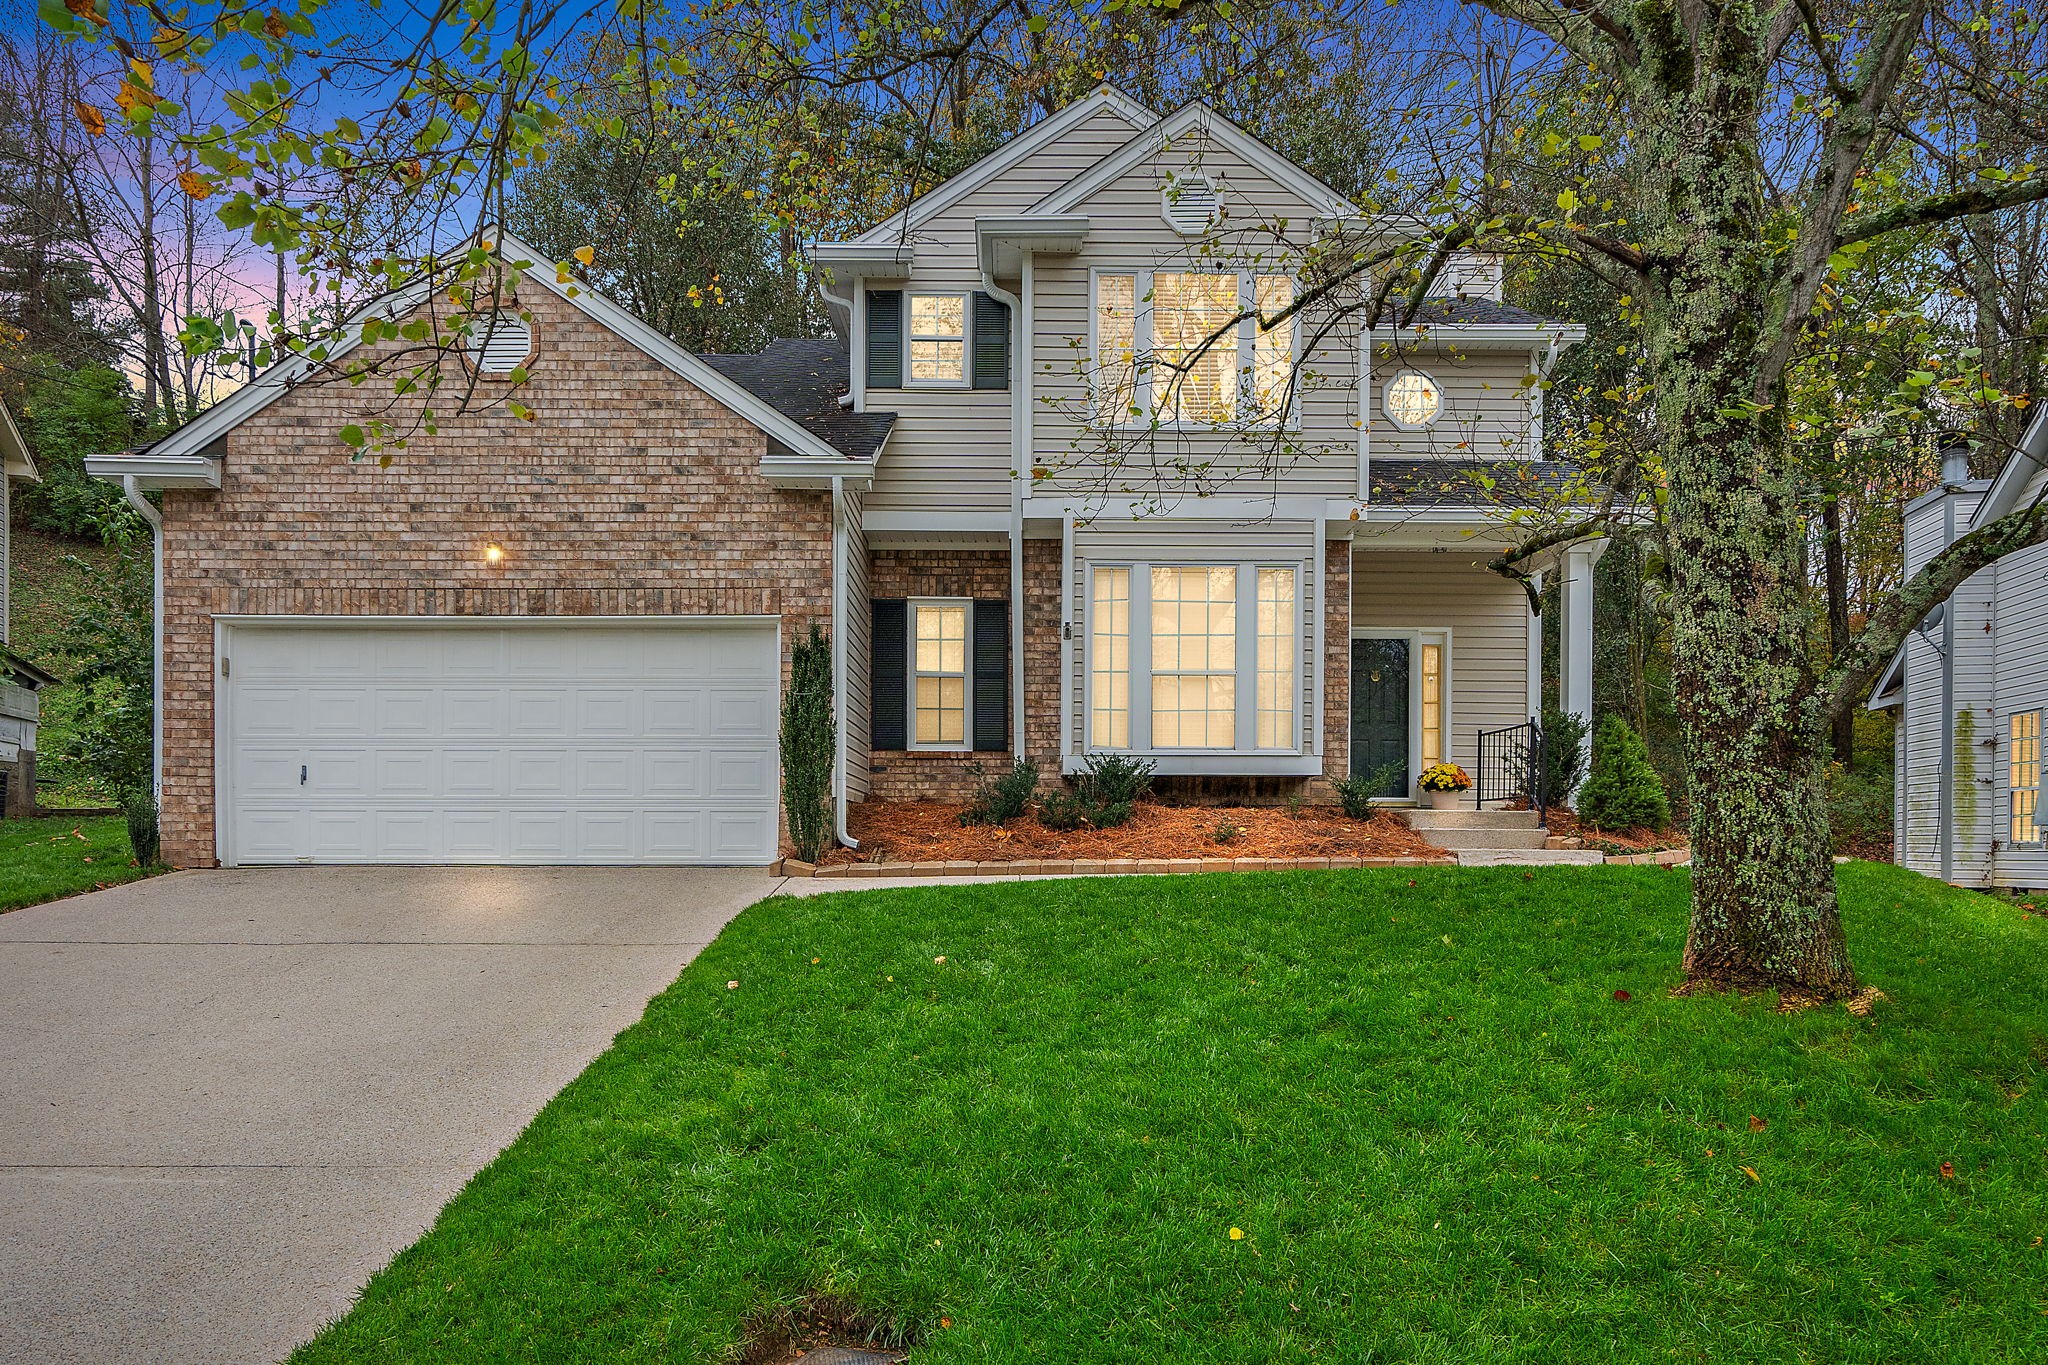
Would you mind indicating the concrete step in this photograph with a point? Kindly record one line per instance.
(1471, 819)
(1529, 857)
(1456, 837)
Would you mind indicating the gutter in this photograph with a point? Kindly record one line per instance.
(141, 504)
(839, 665)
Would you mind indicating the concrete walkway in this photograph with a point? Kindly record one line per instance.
(227, 1098)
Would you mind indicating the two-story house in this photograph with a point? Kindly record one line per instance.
(1080, 478)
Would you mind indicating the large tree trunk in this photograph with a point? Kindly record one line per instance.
(1764, 912)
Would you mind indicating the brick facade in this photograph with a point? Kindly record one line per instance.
(630, 494)
(914, 774)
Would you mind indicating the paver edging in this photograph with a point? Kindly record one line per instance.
(1094, 867)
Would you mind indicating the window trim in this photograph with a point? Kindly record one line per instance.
(1244, 712)
(911, 338)
(2040, 738)
(1417, 637)
(1144, 347)
(1443, 406)
(965, 744)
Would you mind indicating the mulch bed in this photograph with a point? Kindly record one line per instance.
(930, 831)
(1565, 824)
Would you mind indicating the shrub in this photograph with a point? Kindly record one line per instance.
(1064, 811)
(1113, 779)
(1564, 755)
(1003, 797)
(1226, 832)
(808, 735)
(1113, 814)
(139, 805)
(1360, 796)
(1624, 790)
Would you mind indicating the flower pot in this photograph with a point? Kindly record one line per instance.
(1444, 800)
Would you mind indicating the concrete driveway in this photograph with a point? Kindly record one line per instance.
(226, 1098)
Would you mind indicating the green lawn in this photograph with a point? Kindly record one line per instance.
(41, 860)
(1443, 1137)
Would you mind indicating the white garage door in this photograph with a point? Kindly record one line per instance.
(530, 742)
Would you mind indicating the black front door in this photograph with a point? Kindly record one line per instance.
(1379, 712)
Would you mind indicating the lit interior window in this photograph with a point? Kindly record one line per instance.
(938, 338)
(940, 672)
(1279, 702)
(1194, 657)
(1413, 399)
(2025, 764)
(1194, 378)
(1109, 661)
(1273, 348)
(1116, 342)
(1432, 704)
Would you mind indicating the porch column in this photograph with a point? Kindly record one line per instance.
(1575, 641)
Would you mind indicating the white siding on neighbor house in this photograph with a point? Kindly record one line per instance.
(1487, 618)
(1126, 233)
(1917, 840)
(2020, 684)
(6, 554)
(1183, 541)
(951, 449)
(1973, 732)
(857, 652)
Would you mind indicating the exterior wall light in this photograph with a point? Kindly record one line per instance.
(494, 554)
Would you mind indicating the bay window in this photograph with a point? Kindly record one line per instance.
(1194, 658)
(1159, 355)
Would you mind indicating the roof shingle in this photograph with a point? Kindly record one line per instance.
(802, 379)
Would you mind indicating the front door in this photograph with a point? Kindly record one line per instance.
(1379, 712)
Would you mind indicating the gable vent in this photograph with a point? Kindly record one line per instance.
(1189, 204)
(501, 342)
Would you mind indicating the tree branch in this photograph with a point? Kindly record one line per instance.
(1849, 677)
(1943, 208)
(1507, 562)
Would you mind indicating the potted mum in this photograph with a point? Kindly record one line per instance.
(1445, 783)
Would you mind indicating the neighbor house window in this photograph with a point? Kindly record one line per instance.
(1167, 348)
(1279, 699)
(938, 338)
(1194, 657)
(1109, 660)
(938, 674)
(1414, 400)
(2024, 761)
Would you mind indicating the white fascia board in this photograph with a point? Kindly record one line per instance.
(1162, 135)
(15, 462)
(872, 260)
(1483, 333)
(1890, 688)
(2018, 474)
(154, 470)
(1096, 512)
(802, 471)
(1007, 157)
(1002, 241)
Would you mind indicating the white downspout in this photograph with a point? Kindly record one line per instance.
(839, 556)
(141, 504)
(1020, 462)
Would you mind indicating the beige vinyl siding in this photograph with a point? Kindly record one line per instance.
(858, 653)
(1486, 403)
(1127, 232)
(951, 449)
(1180, 541)
(1486, 615)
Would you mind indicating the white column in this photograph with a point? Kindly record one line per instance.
(1536, 653)
(1576, 640)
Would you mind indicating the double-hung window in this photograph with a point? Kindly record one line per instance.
(1187, 348)
(2023, 762)
(938, 674)
(938, 339)
(1195, 657)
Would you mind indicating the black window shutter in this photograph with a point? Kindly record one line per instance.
(991, 676)
(885, 338)
(888, 684)
(991, 342)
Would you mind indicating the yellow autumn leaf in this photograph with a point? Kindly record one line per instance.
(94, 121)
(128, 96)
(142, 72)
(273, 25)
(584, 254)
(1751, 1173)
(194, 184)
(1237, 1234)
(170, 41)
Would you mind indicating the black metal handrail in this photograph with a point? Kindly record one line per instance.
(1512, 764)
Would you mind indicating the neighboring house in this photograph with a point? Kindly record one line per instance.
(564, 640)
(1971, 690)
(19, 679)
